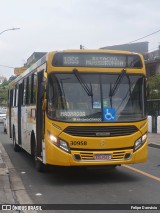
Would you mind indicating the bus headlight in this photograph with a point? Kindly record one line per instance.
(140, 142)
(64, 145)
(53, 139)
(58, 142)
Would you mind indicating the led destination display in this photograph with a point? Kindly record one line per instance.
(96, 60)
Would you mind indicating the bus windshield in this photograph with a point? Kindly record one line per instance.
(68, 100)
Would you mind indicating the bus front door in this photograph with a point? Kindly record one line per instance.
(39, 114)
(20, 87)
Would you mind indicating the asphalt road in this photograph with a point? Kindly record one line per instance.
(131, 184)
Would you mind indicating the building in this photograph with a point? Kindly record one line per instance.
(19, 70)
(139, 47)
(2, 79)
(33, 58)
(152, 62)
(152, 59)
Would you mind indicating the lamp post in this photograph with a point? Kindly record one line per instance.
(14, 28)
(9, 30)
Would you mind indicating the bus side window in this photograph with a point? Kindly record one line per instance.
(27, 98)
(24, 91)
(17, 95)
(34, 88)
(29, 89)
(13, 98)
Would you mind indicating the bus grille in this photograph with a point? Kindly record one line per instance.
(86, 156)
(100, 131)
(118, 155)
(89, 156)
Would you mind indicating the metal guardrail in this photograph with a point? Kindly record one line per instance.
(153, 109)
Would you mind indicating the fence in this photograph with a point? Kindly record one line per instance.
(153, 111)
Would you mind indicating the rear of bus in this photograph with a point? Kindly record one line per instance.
(96, 108)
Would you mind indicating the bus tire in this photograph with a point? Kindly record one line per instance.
(15, 146)
(5, 131)
(114, 166)
(32, 144)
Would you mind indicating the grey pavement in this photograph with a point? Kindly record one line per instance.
(154, 140)
(7, 196)
(12, 190)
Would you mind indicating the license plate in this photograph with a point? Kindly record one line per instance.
(102, 157)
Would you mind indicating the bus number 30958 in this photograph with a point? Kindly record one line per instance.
(79, 143)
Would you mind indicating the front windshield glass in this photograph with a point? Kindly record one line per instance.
(68, 100)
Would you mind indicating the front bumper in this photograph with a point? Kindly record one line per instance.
(56, 156)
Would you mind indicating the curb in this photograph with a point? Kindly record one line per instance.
(154, 145)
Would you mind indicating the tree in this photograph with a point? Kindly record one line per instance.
(4, 90)
(154, 86)
(11, 78)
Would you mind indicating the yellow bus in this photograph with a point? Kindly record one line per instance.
(81, 108)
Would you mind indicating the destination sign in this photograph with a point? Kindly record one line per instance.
(96, 60)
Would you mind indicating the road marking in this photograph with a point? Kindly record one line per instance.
(143, 173)
(38, 194)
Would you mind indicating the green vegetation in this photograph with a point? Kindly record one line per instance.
(154, 87)
(4, 91)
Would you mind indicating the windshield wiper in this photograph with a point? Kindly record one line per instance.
(114, 89)
(117, 83)
(83, 83)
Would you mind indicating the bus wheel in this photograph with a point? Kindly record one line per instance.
(114, 166)
(15, 146)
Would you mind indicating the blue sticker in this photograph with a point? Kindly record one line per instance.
(109, 114)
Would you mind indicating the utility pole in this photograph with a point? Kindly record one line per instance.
(81, 47)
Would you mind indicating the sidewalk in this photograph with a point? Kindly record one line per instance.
(12, 190)
(7, 196)
(154, 140)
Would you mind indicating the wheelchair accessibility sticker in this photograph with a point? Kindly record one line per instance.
(109, 114)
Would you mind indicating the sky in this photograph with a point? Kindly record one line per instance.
(48, 25)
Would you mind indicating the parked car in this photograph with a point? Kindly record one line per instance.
(5, 124)
(2, 115)
(3, 118)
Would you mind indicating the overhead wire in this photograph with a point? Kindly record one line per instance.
(145, 36)
(6, 66)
